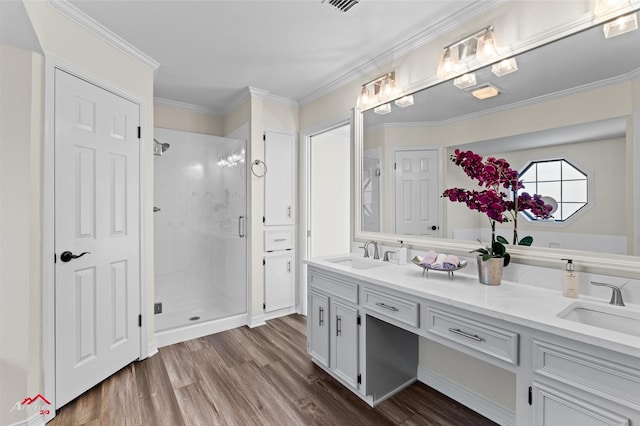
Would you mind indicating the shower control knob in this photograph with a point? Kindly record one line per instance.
(156, 209)
(67, 255)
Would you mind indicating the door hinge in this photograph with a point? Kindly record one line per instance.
(530, 395)
(359, 320)
(264, 306)
(139, 320)
(55, 258)
(264, 137)
(359, 379)
(264, 261)
(139, 132)
(264, 219)
(394, 166)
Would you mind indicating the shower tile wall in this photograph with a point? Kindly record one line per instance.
(200, 259)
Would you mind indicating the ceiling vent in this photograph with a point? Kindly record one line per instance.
(342, 5)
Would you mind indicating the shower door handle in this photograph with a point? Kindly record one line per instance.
(241, 226)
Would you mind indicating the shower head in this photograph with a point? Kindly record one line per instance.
(159, 148)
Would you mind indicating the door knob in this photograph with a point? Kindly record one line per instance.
(67, 255)
(434, 227)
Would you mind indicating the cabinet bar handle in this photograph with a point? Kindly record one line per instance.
(467, 335)
(288, 266)
(241, 227)
(338, 325)
(279, 240)
(289, 211)
(320, 316)
(391, 308)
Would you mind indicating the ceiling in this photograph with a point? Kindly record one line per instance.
(211, 51)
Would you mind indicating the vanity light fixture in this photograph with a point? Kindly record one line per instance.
(405, 101)
(504, 67)
(621, 25)
(609, 9)
(380, 89)
(477, 48)
(465, 80)
(486, 92)
(382, 109)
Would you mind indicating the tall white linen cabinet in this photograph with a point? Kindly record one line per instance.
(279, 224)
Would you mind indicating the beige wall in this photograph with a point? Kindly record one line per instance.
(21, 85)
(188, 121)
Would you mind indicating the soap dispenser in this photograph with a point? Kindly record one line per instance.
(571, 281)
(401, 254)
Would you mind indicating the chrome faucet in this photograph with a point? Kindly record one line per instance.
(616, 296)
(386, 255)
(366, 249)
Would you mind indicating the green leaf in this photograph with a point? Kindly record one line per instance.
(502, 239)
(526, 241)
(499, 249)
(507, 259)
(486, 257)
(480, 250)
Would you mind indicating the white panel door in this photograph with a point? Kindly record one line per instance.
(97, 212)
(278, 181)
(279, 291)
(416, 192)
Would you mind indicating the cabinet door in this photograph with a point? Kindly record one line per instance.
(345, 342)
(553, 407)
(278, 281)
(318, 327)
(278, 181)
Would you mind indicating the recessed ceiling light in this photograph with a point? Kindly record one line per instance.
(486, 92)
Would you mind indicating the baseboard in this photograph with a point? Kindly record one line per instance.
(279, 313)
(256, 321)
(152, 349)
(470, 399)
(194, 331)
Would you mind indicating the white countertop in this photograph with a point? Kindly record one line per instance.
(521, 304)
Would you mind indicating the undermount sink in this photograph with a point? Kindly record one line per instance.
(357, 263)
(614, 318)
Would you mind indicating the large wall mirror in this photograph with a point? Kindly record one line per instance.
(576, 99)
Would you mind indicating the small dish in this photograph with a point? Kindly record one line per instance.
(425, 269)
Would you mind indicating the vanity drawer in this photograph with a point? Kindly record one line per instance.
(278, 240)
(334, 286)
(403, 310)
(486, 338)
(601, 376)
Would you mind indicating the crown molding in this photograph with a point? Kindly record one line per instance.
(184, 106)
(420, 39)
(258, 93)
(70, 11)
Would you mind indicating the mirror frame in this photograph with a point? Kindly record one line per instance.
(591, 262)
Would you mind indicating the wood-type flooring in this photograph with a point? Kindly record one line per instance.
(259, 376)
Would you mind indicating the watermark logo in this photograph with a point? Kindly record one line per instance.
(38, 403)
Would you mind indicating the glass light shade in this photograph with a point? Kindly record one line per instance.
(486, 47)
(405, 101)
(387, 88)
(620, 25)
(448, 64)
(505, 67)
(605, 8)
(466, 80)
(382, 109)
(364, 100)
(486, 92)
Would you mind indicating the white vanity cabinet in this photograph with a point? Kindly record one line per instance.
(580, 384)
(333, 323)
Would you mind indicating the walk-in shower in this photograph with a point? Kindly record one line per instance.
(200, 237)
